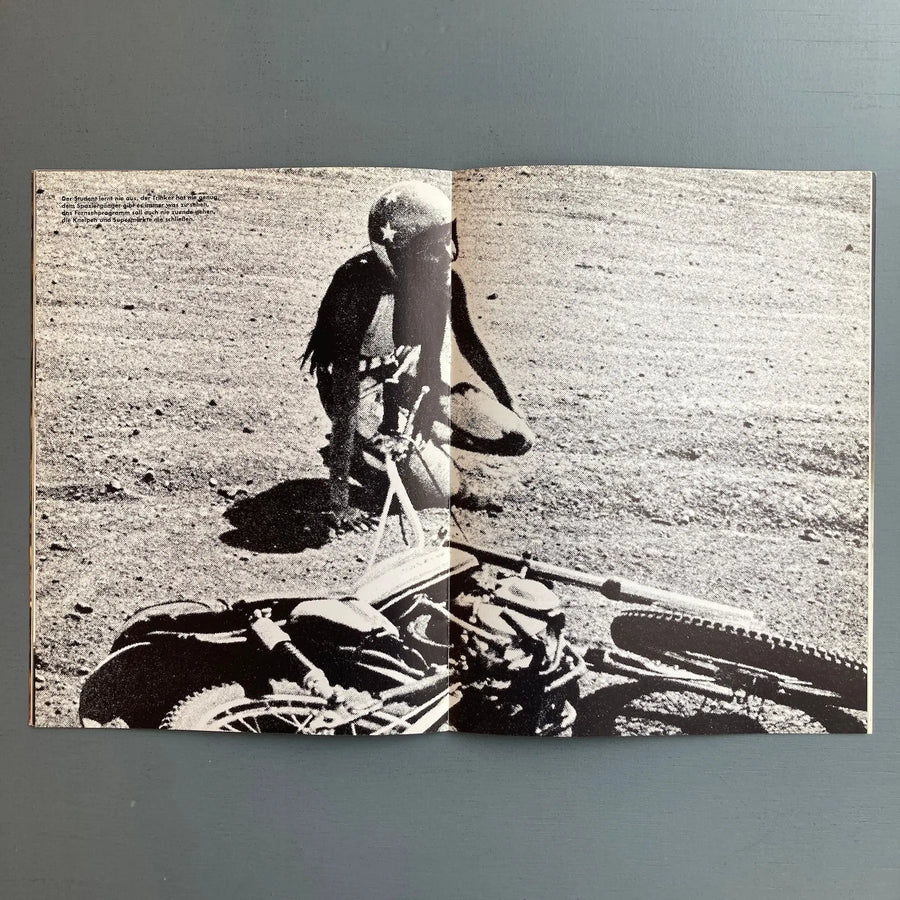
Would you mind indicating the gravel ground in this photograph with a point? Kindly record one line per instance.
(691, 350)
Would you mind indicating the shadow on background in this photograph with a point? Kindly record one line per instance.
(655, 706)
(288, 518)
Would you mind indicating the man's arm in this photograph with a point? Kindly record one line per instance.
(470, 344)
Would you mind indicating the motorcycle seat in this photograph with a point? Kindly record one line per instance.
(394, 579)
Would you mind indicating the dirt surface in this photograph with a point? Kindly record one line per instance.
(691, 351)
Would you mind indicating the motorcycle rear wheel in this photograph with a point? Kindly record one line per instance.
(287, 709)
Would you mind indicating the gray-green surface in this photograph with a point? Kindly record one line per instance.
(164, 85)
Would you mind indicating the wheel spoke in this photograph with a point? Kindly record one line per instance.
(306, 721)
(288, 720)
(255, 722)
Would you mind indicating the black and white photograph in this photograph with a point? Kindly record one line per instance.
(533, 450)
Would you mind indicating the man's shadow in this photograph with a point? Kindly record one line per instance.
(287, 518)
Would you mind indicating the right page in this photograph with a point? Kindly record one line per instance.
(660, 405)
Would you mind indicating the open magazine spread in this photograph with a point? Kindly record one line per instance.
(549, 451)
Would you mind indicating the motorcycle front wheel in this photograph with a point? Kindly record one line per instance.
(650, 632)
(287, 709)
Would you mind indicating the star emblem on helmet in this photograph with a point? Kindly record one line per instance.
(387, 232)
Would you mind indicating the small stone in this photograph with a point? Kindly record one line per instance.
(248, 429)
(127, 306)
(149, 476)
(492, 296)
(213, 403)
(824, 561)
(83, 670)
(74, 616)
(39, 678)
(114, 485)
(213, 482)
(62, 547)
(749, 423)
(811, 536)
(135, 431)
(83, 608)
(848, 248)
(158, 412)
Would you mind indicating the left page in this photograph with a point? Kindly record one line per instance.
(216, 354)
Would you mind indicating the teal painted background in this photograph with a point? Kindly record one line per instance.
(758, 84)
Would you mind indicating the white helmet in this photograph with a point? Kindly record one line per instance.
(405, 212)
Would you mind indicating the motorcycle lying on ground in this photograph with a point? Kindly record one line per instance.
(374, 661)
(469, 638)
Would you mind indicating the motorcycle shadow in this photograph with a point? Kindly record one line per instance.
(287, 518)
(653, 707)
(610, 711)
